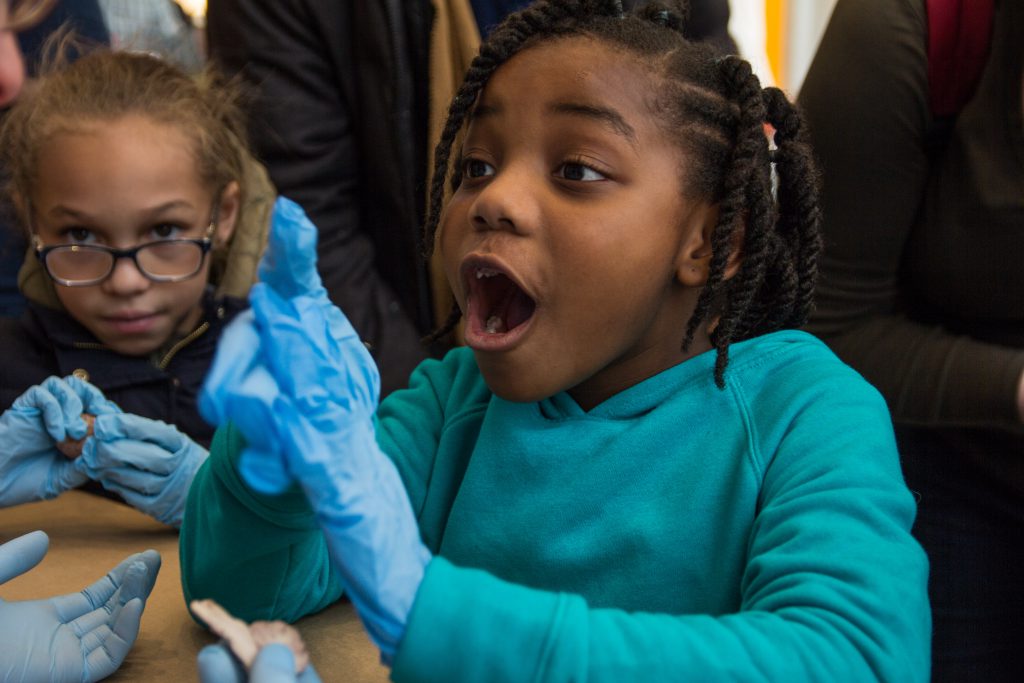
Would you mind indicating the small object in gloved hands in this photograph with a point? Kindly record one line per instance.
(72, 448)
(246, 640)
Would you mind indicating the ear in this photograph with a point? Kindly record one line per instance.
(228, 209)
(693, 264)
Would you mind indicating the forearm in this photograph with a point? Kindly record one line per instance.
(261, 557)
(929, 376)
(876, 170)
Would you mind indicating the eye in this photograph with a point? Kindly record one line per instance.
(574, 170)
(165, 231)
(475, 168)
(77, 235)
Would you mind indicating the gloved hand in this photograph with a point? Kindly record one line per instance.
(274, 664)
(289, 264)
(147, 462)
(77, 637)
(288, 268)
(301, 388)
(31, 467)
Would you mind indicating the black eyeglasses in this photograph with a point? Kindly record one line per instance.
(81, 265)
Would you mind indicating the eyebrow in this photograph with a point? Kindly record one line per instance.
(605, 115)
(61, 210)
(596, 113)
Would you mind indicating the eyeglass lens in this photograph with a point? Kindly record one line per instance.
(158, 260)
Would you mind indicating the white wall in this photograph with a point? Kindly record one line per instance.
(805, 22)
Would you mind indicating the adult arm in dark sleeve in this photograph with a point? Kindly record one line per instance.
(297, 56)
(866, 101)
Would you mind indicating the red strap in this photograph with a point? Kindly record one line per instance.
(959, 34)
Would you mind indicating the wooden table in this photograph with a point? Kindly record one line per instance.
(89, 535)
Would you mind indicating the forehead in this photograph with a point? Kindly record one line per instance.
(124, 162)
(575, 75)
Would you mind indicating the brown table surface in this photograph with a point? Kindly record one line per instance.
(89, 535)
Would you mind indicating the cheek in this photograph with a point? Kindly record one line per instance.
(184, 296)
(77, 301)
(447, 249)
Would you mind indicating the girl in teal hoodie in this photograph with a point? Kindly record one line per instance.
(636, 468)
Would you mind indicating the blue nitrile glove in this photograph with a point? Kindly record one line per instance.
(147, 462)
(315, 395)
(238, 380)
(294, 377)
(31, 467)
(289, 263)
(274, 664)
(77, 637)
(289, 268)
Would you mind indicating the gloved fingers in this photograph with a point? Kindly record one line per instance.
(138, 459)
(140, 575)
(65, 475)
(309, 675)
(19, 555)
(237, 357)
(264, 471)
(307, 361)
(57, 405)
(216, 664)
(164, 507)
(111, 427)
(93, 400)
(274, 663)
(289, 263)
(68, 419)
(253, 409)
(130, 482)
(136, 574)
(283, 324)
(107, 647)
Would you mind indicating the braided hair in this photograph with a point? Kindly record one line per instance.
(715, 109)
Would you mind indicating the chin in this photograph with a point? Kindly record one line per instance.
(141, 347)
(516, 387)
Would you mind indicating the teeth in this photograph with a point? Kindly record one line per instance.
(494, 325)
(485, 272)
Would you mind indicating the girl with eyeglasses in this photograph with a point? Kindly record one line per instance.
(145, 215)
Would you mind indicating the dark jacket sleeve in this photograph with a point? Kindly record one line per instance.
(308, 128)
(866, 102)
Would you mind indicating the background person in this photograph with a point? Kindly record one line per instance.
(915, 110)
(147, 217)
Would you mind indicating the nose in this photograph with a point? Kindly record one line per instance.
(509, 201)
(126, 279)
(12, 68)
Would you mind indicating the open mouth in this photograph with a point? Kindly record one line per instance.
(497, 305)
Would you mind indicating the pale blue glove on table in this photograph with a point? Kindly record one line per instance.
(147, 462)
(31, 467)
(77, 637)
(301, 387)
(274, 664)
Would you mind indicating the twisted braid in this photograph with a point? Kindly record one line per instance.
(745, 206)
(800, 212)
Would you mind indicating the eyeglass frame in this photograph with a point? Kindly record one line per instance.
(204, 243)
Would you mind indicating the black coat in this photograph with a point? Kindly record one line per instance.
(45, 342)
(339, 119)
